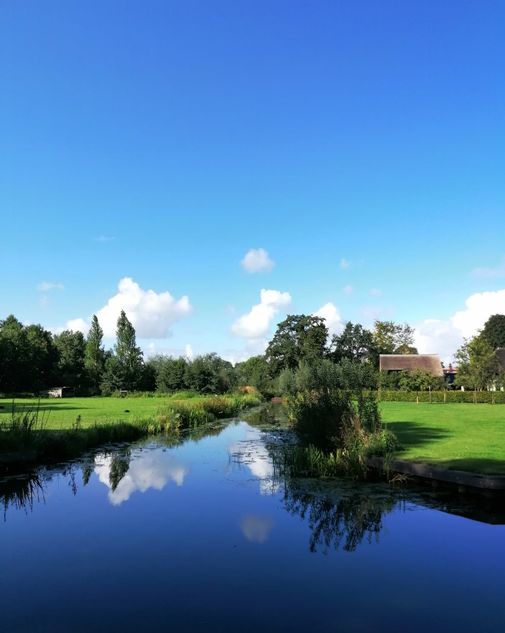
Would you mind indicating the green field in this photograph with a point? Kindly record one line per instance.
(457, 436)
(61, 413)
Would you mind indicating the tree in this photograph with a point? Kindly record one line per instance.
(255, 372)
(94, 355)
(70, 371)
(171, 373)
(298, 338)
(13, 355)
(123, 369)
(355, 343)
(210, 374)
(494, 331)
(478, 366)
(393, 338)
(41, 360)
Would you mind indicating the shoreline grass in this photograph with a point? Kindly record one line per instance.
(29, 433)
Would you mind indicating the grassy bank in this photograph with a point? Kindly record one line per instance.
(467, 437)
(57, 429)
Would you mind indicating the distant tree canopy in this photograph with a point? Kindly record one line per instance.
(355, 343)
(393, 338)
(494, 331)
(32, 360)
(299, 338)
(478, 366)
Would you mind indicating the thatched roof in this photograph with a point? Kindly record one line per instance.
(500, 355)
(429, 363)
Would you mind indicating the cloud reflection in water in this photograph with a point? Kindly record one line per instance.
(149, 469)
(256, 528)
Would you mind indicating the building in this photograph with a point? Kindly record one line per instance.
(59, 392)
(429, 363)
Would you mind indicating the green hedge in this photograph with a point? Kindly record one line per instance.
(482, 397)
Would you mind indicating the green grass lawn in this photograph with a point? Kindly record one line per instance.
(62, 413)
(457, 436)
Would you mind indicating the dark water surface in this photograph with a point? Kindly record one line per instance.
(203, 536)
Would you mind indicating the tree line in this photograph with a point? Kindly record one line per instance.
(32, 359)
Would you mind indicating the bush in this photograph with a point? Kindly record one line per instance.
(477, 397)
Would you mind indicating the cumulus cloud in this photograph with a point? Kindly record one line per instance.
(46, 286)
(257, 260)
(329, 312)
(151, 313)
(256, 323)
(445, 336)
(77, 325)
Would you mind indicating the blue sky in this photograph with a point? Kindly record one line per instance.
(361, 144)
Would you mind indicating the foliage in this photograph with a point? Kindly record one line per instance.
(70, 368)
(210, 374)
(478, 366)
(494, 331)
(355, 344)
(442, 397)
(255, 372)
(299, 338)
(94, 356)
(419, 380)
(393, 338)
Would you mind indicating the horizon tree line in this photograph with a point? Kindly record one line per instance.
(32, 359)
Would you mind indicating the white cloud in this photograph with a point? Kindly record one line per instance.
(444, 337)
(77, 325)
(491, 272)
(151, 313)
(348, 290)
(256, 323)
(188, 351)
(329, 312)
(257, 260)
(46, 286)
(344, 263)
(375, 292)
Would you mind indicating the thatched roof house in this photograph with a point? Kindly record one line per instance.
(430, 363)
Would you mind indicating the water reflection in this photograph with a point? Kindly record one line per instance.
(256, 528)
(341, 516)
(20, 493)
(149, 469)
(253, 453)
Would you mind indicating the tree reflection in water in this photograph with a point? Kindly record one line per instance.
(343, 518)
(20, 493)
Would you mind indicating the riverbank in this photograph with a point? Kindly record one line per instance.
(32, 431)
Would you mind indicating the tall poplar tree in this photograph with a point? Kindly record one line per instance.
(94, 355)
(129, 357)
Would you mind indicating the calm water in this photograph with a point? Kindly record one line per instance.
(204, 537)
